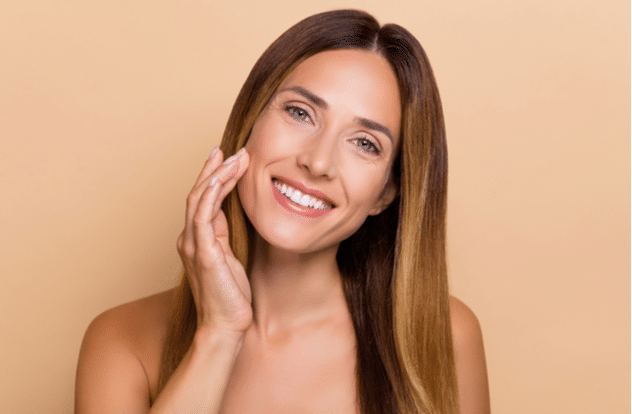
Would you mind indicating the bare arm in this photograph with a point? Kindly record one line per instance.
(111, 377)
(471, 369)
(199, 382)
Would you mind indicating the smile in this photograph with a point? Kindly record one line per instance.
(297, 197)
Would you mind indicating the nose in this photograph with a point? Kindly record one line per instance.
(318, 157)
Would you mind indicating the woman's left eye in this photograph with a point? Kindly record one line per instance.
(367, 145)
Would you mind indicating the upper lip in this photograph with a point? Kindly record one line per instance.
(305, 189)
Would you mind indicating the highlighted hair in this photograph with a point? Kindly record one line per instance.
(394, 266)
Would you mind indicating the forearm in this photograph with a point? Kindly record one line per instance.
(198, 384)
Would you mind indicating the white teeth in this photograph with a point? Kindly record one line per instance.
(299, 198)
(296, 197)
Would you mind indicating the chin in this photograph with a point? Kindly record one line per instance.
(289, 238)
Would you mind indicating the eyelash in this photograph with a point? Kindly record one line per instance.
(304, 116)
(373, 148)
(292, 111)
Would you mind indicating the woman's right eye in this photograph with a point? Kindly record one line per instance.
(298, 113)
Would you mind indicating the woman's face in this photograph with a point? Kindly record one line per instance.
(321, 151)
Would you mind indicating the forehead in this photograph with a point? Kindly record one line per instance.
(352, 81)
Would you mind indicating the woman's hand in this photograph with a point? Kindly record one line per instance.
(111, 377)
(220, 290)
(218, 281)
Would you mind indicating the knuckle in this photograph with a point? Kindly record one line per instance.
(208, 258)
(192, 199)
(186, 250)
(204, 263)
(199, 222)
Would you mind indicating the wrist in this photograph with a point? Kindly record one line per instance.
(206, 336)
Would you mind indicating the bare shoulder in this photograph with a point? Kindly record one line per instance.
(133, 318)
(120, 356)
(469, 356)
(134, 325)
(465, 326)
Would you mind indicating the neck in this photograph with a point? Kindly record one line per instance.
(293, 289)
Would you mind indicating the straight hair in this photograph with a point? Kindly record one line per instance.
(394, 267)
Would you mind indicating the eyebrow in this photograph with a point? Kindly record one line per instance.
(308, 95)
(320, 102)
(367, 123)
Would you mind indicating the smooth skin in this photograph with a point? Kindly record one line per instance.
(294, 350)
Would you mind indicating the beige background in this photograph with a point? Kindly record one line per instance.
(108, 109)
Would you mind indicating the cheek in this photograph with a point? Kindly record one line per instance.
(264, 148)
(244, 191)
(365, 185)
(267, 140)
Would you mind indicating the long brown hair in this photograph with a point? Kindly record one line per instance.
(394, 266)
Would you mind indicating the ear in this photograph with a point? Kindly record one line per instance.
(389, 193)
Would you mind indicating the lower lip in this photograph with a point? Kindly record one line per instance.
(294, 208)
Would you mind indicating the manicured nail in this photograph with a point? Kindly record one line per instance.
(234, 157)
(214, 151)
(213, 181)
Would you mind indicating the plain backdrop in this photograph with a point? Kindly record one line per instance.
(109, 108)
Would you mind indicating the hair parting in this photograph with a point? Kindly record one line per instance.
(394, 267)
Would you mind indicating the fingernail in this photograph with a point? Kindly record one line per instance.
(214, 151)
(213, 181)
(234, 157)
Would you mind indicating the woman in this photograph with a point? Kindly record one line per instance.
(319, 285)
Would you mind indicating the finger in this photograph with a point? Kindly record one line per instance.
(214, 160)
(210, 197)
(225, 175)
(231, 181)
(203, 229)
(220, 226)
(214, 170)
(222, 172)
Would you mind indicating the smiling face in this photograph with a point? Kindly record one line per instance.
(322, 150)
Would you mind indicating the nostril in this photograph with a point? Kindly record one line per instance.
(318, 165)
